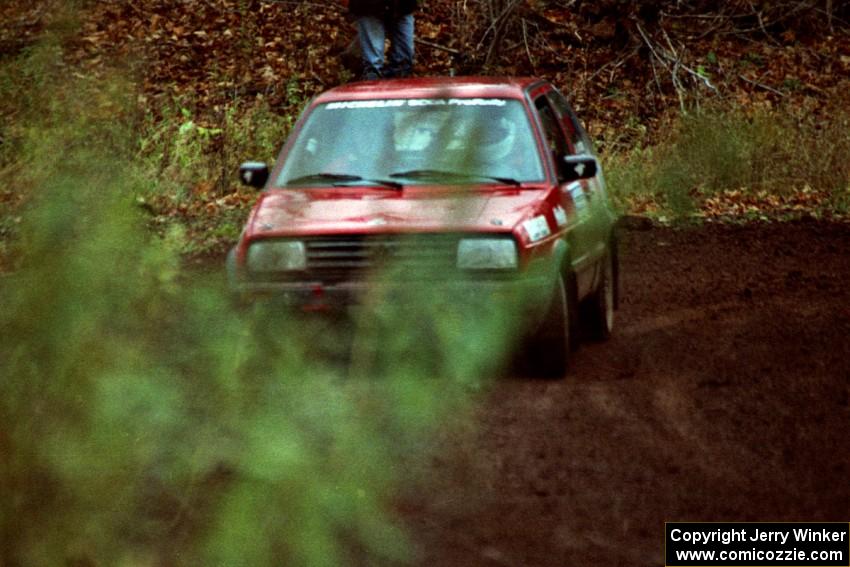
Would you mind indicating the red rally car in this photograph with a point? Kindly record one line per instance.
(491, 183)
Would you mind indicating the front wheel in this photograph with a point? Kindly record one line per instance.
(598, 309)
(549, 351)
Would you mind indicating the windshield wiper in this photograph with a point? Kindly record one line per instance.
(431, 173)
(342, 178)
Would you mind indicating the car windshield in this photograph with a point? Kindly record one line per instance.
(414, 141)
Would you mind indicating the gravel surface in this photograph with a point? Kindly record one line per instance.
(724, 394)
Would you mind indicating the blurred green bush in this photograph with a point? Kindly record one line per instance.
(144, 420)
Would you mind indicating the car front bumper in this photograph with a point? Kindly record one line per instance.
(529, 292)
(524, 302)
(317, 294)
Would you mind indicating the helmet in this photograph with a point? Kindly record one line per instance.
(497, 139)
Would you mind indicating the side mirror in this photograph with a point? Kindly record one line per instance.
(254, 174)
(579, 167)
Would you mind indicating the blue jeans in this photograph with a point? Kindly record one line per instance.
(373, 32)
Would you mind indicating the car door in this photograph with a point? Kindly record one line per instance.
(573, 196)
(599, 218)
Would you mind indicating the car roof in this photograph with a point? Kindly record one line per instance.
(431, 87)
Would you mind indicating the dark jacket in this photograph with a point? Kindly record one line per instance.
(381, 8)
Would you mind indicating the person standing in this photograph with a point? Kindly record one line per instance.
(376, 21)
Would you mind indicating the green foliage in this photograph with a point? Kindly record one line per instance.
(144, 419)
(719, 150)
(192, 161)
(183, 150)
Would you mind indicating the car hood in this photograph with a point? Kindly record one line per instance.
(420, 209)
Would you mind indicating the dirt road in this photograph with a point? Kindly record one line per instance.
(724, 395)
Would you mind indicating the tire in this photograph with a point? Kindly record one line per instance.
(549, 352)
(598, 309)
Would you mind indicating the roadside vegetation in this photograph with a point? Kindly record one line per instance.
(148, 419)
(739, 164)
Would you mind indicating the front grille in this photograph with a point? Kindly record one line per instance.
(353, 258)
(356, 257)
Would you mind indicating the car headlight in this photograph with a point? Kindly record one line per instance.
(486, 254)
(277, 255)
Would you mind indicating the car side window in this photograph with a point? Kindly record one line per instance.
(578, 137)
(555, 139)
